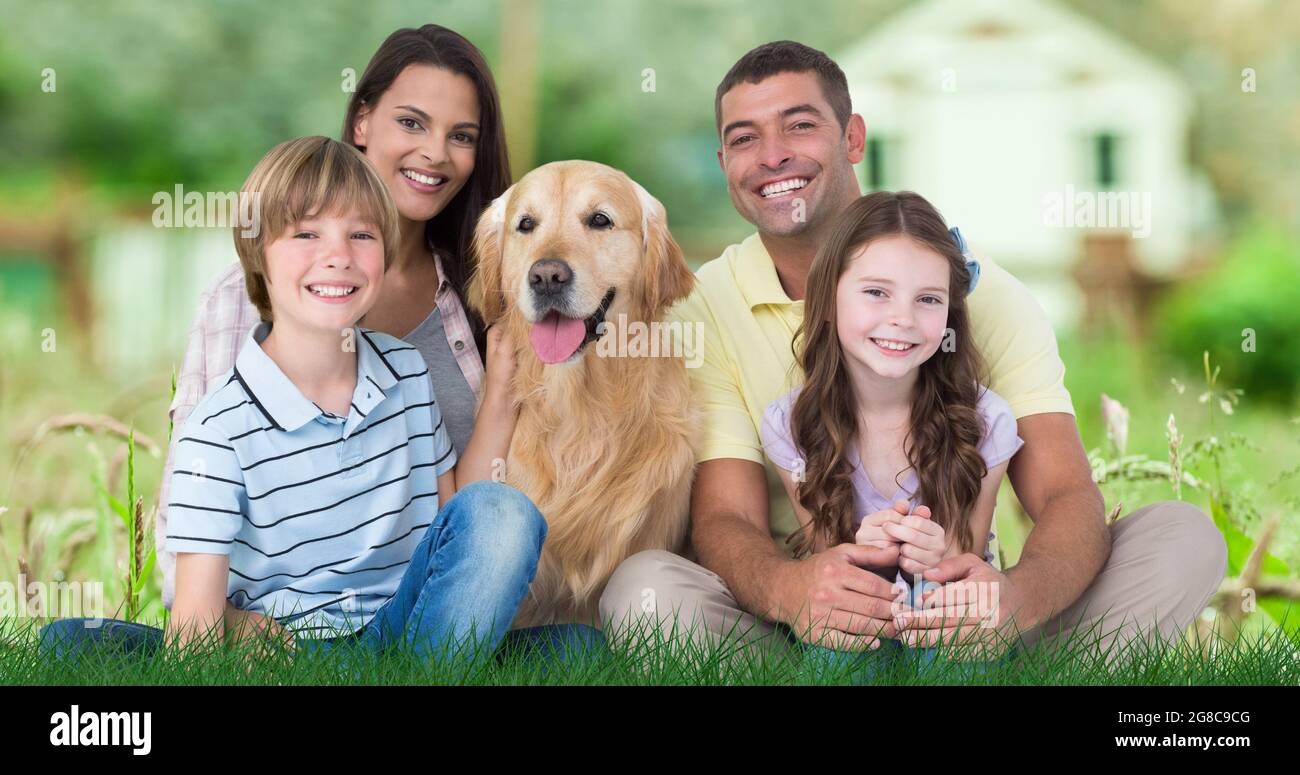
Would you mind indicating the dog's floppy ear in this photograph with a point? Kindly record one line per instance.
(668, 278)
(486, 291)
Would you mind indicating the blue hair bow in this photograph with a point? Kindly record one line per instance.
(972, 265)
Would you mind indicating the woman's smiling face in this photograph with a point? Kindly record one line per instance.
(421, 136)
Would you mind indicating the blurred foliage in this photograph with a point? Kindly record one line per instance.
(150, 94)
(1246, 312)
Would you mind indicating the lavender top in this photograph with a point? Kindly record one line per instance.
(999, 443)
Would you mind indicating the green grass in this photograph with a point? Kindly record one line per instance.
(647, 658)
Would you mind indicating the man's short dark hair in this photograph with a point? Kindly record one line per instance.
(787, 56)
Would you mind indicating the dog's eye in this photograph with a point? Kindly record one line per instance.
(599, 221)
(526, 224)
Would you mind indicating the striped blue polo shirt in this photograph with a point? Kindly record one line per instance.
(320, 514)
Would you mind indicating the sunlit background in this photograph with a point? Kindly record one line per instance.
(990, 108)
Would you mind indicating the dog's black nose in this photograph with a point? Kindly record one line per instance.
(549, 277)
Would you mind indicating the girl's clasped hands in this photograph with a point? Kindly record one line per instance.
(920, 540)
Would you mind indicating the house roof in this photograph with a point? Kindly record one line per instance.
(1003, 44)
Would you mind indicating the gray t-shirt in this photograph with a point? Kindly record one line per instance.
(450, 389)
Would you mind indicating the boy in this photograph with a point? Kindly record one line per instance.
(307, 487)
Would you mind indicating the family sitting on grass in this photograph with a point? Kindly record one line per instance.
(847, 511)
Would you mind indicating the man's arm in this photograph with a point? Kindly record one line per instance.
(729, 529)
(804, 517)
(1069, 542)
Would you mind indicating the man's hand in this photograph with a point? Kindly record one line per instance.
(830, 599)
(974, 610)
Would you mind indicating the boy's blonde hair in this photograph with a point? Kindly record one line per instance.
(308, 177)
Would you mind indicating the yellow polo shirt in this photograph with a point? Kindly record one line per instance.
(746, 328)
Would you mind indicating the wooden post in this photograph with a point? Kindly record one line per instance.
(518, 80)
(58, 239)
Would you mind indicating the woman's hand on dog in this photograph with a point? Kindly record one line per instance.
(500, 362)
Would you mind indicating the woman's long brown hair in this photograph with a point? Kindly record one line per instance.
(943, 441)
(451, 230)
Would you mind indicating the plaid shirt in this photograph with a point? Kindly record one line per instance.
(225, 316)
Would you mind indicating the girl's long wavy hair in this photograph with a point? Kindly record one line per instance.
(942, 445)
(451, 230)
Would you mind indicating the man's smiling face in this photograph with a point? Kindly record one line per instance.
(788, 163)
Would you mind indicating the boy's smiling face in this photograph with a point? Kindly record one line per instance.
(323, 273)
(892, 305)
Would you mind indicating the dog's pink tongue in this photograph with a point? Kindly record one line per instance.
(556, 337)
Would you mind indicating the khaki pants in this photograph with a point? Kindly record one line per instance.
(1166, 561)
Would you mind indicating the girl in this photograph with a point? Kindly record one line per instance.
(891, 439)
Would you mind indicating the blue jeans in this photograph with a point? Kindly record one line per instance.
(467, 576)
(465, 581)
(64, 637)
(865, 666)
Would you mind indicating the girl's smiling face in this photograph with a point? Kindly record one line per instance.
(324, 272)
(892, 305)
(421, 136)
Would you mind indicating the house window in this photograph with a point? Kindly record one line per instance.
(1106, 159)
(878, 164)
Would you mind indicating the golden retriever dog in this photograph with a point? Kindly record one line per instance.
(604, 444)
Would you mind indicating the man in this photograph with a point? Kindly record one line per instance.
(784, 119)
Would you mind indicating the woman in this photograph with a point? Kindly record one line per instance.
(426, 114)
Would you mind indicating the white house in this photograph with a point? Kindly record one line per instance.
(1030, 127)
